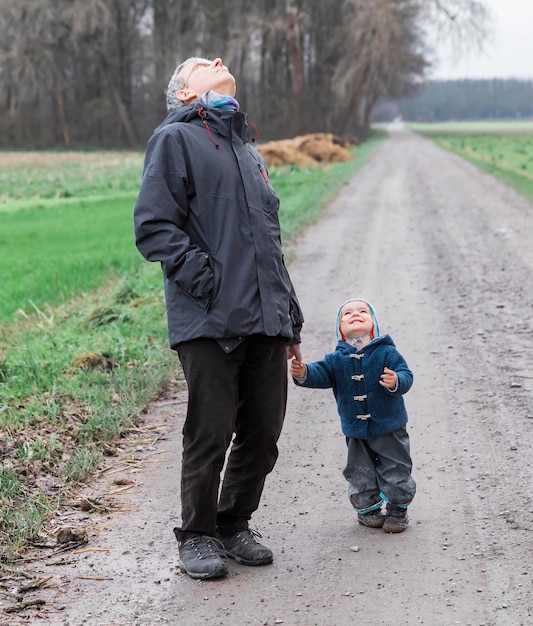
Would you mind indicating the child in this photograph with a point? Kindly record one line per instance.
(368, 377)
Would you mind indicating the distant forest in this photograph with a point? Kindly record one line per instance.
(93, 72)
(463, 100)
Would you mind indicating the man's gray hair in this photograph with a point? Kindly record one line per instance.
(176, 83)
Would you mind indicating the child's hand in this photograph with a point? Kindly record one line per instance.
(298, 369)
(389, 379)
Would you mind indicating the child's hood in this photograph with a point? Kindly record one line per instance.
(375, 330)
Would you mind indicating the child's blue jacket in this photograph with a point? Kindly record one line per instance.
(366, 408)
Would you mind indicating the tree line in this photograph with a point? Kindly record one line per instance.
(464, 100)
(93, 72)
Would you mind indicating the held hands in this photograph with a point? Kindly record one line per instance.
(298, 369)
(294, 351)
(389, 379)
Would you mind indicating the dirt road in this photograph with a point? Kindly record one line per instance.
(445, 254)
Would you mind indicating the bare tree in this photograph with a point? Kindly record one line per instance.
(107, 33)
(457, 26)
(462, 21)
(37, 39)
(382, 54)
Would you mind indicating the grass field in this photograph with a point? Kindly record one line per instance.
(55, 248)
(66, 224)
(83, 342)
(503, 149)
(52, 175)
(471, 127)
(50, 253)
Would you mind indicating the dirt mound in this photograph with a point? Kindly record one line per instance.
(306, 150)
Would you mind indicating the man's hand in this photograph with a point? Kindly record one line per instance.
(294, 351)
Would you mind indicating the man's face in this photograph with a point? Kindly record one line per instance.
(202, 75)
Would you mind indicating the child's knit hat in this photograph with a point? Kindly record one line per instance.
(375, 332)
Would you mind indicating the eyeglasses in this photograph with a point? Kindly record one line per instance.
(196, 63)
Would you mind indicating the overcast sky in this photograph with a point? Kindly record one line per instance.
(509, 54)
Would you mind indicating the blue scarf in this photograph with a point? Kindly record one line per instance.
(217, 101)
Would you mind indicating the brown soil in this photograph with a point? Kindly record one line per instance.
(445, 254)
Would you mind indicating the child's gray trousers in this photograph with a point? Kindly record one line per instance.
(378, 470)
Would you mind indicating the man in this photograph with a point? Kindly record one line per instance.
(207, 212)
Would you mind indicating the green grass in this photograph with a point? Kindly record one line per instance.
(66, 225)
(72, 381)
(50, 253)
(21, 512)
(508, 157)
(91, 351)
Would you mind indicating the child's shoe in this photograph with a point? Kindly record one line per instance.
(396, 520)
(372, 519)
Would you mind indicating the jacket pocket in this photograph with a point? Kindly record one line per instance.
(196, 277)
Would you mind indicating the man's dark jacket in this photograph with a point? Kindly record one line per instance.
(208, 213)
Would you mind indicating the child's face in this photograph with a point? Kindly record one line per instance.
(355, 319)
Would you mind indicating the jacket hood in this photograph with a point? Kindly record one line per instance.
(183, 114)
(375, 330)
(212, 118)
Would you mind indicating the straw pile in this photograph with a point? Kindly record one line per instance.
(305, 150)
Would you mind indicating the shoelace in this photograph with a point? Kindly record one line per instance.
(249, 536)
(207, 547)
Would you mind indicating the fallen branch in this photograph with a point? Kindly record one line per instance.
(154, 441)
(143, 429)
(68, 546)
(33, 585)
(24, 605)
(121, 490)
(114, 470)
(84, 550)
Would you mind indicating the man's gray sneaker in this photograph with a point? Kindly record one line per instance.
(201, 556)
(396, 520)
(245, 549)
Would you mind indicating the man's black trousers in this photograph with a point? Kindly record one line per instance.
(241, 394)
